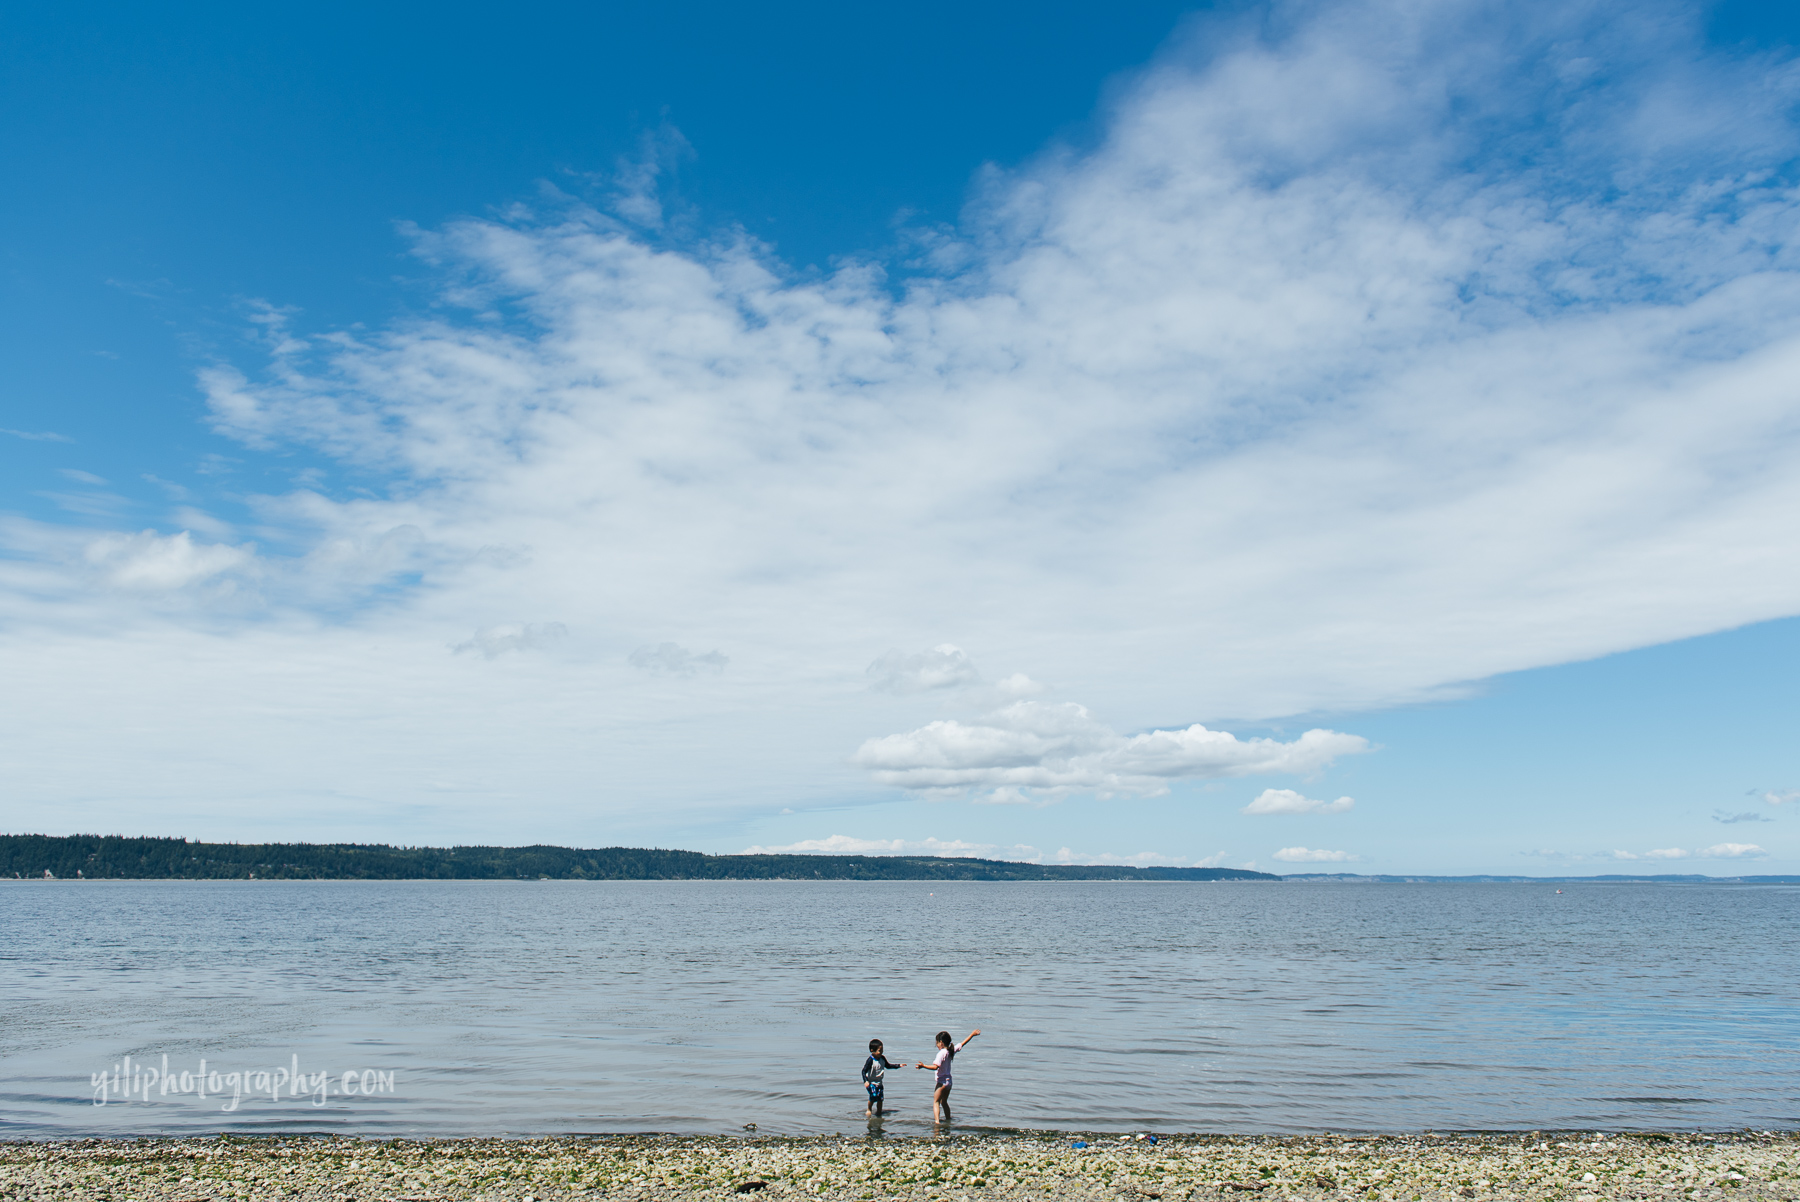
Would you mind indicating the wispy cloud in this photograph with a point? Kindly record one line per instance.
(155, 563)
(945, 666)
(1360, 326)
(174, 491)
(494, 641)
(104, 506)
(151, 290)
(672, 659)
(37, 435)
(1162, 391)
(1741, 816)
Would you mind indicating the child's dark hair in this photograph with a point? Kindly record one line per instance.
(943, 1037)
(874, 1045)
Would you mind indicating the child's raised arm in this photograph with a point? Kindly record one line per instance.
(965, 1043)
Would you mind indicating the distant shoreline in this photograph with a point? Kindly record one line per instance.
(118, 857)
(115, 857)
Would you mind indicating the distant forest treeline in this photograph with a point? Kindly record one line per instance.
(116, 857)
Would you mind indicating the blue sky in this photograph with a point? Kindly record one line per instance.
(972, 429)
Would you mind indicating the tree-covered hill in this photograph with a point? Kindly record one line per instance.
(116, 857)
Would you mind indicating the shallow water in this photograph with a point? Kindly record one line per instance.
(556, 1007)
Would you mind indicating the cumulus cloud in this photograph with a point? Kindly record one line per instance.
(672, 659)
(1050, 749)
(1313, 855)
(1731, 851)
(1780, 797)
(1360, 326)
(492, 641)
(151, 562)
(1286, 801)
(945, 666)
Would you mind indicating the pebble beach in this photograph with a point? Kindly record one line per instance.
(1426, 1168)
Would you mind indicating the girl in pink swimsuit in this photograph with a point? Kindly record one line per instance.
(947, 1050)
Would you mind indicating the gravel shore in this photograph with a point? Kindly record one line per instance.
(1425, 1168)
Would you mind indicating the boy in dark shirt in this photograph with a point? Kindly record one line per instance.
(873, 1068)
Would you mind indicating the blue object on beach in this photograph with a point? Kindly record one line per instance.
(1151, 1138)
(1080, 1143)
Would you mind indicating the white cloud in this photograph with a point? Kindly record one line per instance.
(494, 641)
(1163, 391)
(198, 521)
(945, 666)
(1731, 851)
(1718, 851)
(1358, 328)
(150, 562)
(81, 477)
(1142, 859)
(1019, 685)
(1286, 801)
(37, 436)
(1312, 855)
(672, 659)
(1057, 748)
(845, 845)
(1780, 797)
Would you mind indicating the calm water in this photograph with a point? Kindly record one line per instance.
(703, 1006)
